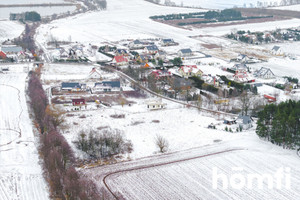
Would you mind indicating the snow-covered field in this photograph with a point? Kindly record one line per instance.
(43, 11)
(10, 30)
(20, 171)
(292, 7)
(66, 72)
(193, 179)
(30, 1)
(219, 4)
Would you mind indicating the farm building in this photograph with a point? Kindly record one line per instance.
(264, 73)
(78, 102)
(72, 86)
(269, 98)
(156, 105)
(185, 53)
(107, 86)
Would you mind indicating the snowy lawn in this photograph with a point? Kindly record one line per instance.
(183, 128)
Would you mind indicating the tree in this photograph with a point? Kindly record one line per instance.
(177, 61)
(32, 16)
(161, 143)
(246, 101)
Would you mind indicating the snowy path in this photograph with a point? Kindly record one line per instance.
(20, 171)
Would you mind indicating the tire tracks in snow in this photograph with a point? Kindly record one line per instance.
(19, 121)
(159, 165)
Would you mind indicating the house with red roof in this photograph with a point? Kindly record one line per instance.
(2, 55)
(161, 73)
(242, 76)
(120, 60)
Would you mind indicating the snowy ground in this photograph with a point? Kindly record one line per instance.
(10, 30)
(189, 174)
(67, 72)
(20, 172)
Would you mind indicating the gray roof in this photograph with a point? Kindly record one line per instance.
(167, 41)
(152, 48)
(263, 71)
(11, 49)
(185, 50)
(276, 48)
(70, 85)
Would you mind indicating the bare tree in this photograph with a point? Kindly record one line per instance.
(161, 143)
(246, 101)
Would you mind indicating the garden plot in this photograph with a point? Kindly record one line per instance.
(193, 179)
(64, 72)
(183, 128)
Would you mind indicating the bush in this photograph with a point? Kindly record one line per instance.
(103, 144)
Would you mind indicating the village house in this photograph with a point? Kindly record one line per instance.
(189, 71)
(242, 58)
(242, 76)
(158, 74)
(156, 105)
(2, 55)
(264, 73)
(152, 49)
(11, 49)
(276, 50)
(185, 53)
(94, 74)
(78, 102)
(121, 52)
(68, 86)
(136, 44)
(144, 58)
(148, 65)
(238, 67)
(160, 55)
(120, 60)
(106, 86)
(167, 42)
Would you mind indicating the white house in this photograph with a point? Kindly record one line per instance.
(94, 74)
(185, 53)
(276, 50)
(264, 73)
(156, 105)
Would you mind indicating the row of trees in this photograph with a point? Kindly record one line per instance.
(280, 124)
(59, 161)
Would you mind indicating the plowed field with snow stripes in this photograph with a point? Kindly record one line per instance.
(194, 179)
